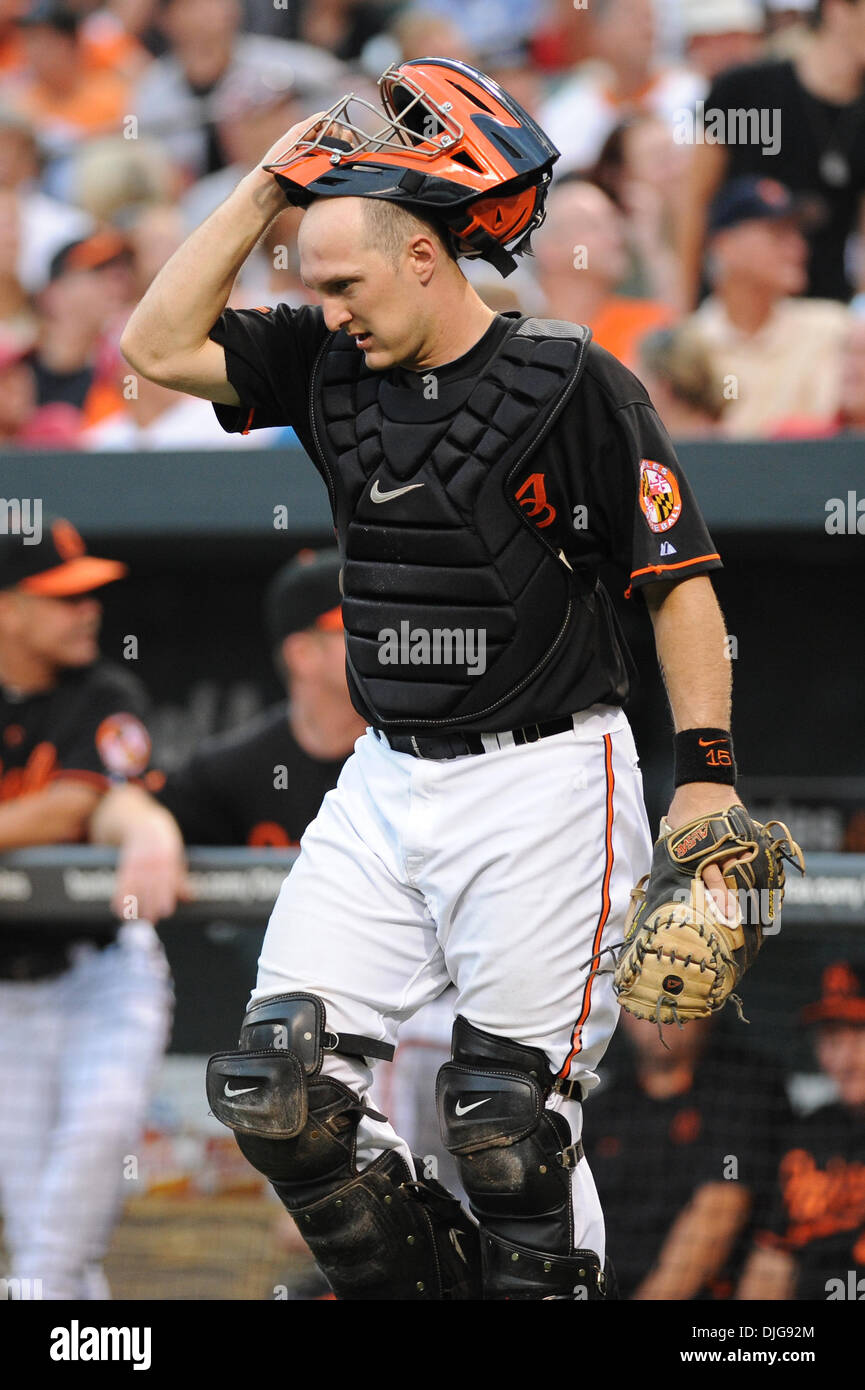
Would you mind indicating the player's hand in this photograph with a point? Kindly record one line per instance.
(309, 126)
(151, 872)
(704, 799)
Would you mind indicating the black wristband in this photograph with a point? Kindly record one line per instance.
(705, 755)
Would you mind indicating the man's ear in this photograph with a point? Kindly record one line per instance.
(424, 254)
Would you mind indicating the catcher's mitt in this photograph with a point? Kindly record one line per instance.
(681, 959)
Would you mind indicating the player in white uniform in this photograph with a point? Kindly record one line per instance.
(84, 1011)
(490, 825)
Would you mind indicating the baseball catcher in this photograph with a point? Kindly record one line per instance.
(489, 826)
(681, 958)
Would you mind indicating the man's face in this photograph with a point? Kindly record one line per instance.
(841, 1054)
(318, 658)
(58, 631)
(848, 24)
(853, 374)
(769, 255)
(379, 305)
(626, 29)
(583, 236)
(17, 397)
(677, 1047)
(188, 22)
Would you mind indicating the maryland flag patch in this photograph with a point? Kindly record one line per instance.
(659, 495)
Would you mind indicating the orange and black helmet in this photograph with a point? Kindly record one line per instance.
(454, 146)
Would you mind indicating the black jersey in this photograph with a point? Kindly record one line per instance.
(88, 728)
(604, 486)
(813, 138)
(252, 786)
(649, 1156)
(818, 1214)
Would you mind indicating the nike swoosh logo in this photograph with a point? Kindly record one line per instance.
(377, 495)
(242, 1091)
(707, 742)
(464, 1109)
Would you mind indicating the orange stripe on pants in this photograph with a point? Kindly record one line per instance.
(576, 1036)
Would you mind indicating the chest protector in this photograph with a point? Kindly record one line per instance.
(453, 602)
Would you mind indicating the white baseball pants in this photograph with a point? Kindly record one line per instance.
(504, 872)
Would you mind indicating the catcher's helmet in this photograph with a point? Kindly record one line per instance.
(454, 146)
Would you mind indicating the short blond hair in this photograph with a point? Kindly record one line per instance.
(389, 226)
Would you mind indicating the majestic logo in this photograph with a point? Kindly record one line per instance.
(460, 1109)
(691, 839)
(533, 495)
(377, 495)
(667, 549)
(660, 498)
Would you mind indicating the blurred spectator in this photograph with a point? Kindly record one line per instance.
(645, 172)
(46, 224)
(91, 283)
(626, 80)
(23, 423)
(65, 97)
(17, 318)
(558, 43)
(153, 417)
(682, 1140)
(787, 22)
(813, 1244)
(494, 30)
(580, 258)
(112, 178)
(252, 110)
(804, 126)
(421, 30)
(686, 390)
(776, 354)
(176, 96)
(850, 415)
(343, 27)
(721, 34)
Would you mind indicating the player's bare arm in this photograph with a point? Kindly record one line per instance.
(689, 637)
(698, 1243)
(151, 867)
(57, 814)
(166, 339)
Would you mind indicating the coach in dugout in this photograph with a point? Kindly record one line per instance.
(812, 1243)
(84, 1010)
(261, 784)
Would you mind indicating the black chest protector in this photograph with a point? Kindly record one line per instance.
(453, 602)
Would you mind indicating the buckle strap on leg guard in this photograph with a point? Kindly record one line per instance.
(568, 1089)
(514, 1272)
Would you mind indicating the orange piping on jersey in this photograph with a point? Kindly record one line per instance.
(576, 1035)
(679, 565)
(248, 425)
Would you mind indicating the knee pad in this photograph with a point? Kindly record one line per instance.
(267, 1089)
(514, 1158)
(376, 1234)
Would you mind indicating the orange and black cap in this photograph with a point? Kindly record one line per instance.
(54, 565)
(842, 996)
(304, 594)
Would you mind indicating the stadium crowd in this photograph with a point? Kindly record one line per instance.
(705, 219)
